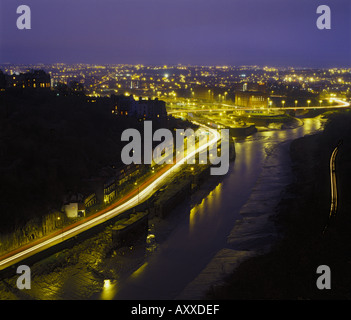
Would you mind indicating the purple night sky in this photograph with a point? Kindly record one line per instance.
(197, 32)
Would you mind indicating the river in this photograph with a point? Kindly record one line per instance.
(194, 234)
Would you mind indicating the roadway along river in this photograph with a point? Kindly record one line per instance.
(189, 238)
(197, 234)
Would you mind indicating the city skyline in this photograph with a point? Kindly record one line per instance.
(167, 32)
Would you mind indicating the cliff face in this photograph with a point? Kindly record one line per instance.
(32, 230)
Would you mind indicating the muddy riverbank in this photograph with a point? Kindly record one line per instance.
(289, 269)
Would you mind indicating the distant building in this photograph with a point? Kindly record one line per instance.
(122, 104)
(117, 175)
(126, 172)
(37, 79)
(90, 200)
(254, 86)
(251, 99)
(106, 183)
(147, 109)
(110, 192)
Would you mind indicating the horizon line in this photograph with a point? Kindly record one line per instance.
(173, 65)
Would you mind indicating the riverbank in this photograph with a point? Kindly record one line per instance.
(288, 270)
(255, 232)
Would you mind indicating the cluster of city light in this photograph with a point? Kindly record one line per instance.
(105, 79)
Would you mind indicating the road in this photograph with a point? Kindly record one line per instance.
(129, 201)
(333, 185)
(334, 190)
(228, 107)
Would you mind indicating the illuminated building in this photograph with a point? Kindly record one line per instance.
(254, 86)
(37, 79)
(74, 206)
(251, 99)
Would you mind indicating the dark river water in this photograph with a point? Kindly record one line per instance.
(199, 232)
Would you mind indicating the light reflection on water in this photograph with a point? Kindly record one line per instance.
(202, 211)
(109, 289)
(193, 242)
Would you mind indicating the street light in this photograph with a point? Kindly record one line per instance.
(138, 190)
(283, 102)
(308, 102)
(61, 223)
(296, 103)
(320, 102)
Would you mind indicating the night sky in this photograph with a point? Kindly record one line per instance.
(196, 32)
